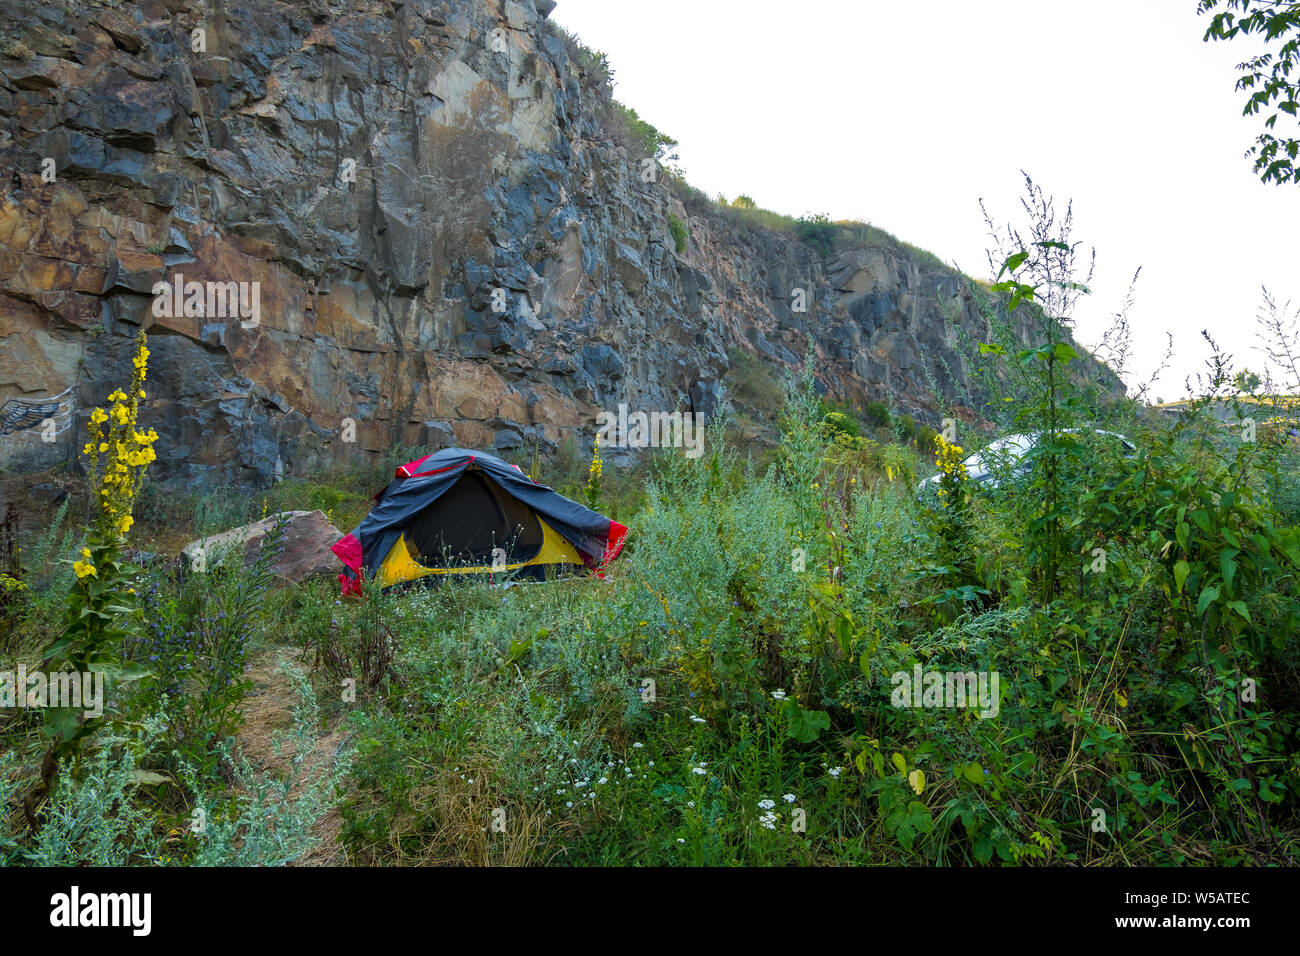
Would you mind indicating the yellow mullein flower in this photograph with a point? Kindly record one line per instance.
(118, 450)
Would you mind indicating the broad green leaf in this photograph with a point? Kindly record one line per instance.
(917, 781)
(150, 778)
(1013, 263)
(133, 670)
(806, 725)
(844, 635)
(1065, 352)
(1228, 565)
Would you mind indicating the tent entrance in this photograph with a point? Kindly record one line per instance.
(469, 520)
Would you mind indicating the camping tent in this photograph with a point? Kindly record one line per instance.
(467, 512)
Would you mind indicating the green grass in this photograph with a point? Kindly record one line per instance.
(724, 695)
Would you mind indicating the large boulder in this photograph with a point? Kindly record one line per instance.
(304, 553)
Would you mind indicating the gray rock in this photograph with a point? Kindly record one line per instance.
(47, 494)
(377, 219)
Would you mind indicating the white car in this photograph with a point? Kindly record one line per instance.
(1005, 458)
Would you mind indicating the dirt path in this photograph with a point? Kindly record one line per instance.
(268, 708)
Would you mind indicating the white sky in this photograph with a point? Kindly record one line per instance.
(905, 114)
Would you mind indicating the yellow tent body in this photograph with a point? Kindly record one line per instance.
(400, 565)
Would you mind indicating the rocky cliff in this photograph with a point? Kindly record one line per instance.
(436, 237)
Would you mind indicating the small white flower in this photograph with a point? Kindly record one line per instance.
(766, 804)
(789, 798)
(767, 821)
(638, 745)
(835, 771)
(680, 840)
(778, 695)
(699, 771)
(698, 720)
(691, 804)
(603, 780)
(569, 803)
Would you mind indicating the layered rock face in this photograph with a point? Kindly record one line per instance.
(387, 222)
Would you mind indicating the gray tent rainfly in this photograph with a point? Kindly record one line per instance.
(458, 512)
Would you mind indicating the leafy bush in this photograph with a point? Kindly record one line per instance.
(818, 231)
(646, 140)
(678, 230)
(111, 812)
(877, 413)
(196, 647)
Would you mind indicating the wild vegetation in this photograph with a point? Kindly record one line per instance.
(736, 688)
(1266, 77)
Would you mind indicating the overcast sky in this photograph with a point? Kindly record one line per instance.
(905, 115)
